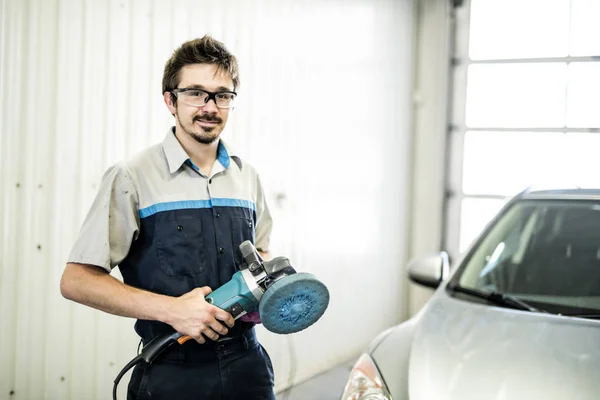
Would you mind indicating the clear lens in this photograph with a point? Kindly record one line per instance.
(365, 382)
(225, 100)
(194, 97)
(199, 98)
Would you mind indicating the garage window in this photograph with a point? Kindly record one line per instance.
(525, 101)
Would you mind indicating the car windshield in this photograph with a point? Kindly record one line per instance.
(546, 253)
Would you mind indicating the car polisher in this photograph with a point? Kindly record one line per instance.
(287, 301)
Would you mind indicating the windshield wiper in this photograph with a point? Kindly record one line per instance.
(497, 298)
(589, 316)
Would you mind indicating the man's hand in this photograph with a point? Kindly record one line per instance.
(192, 315)
(189, 314)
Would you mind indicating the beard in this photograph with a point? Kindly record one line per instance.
(206, 134)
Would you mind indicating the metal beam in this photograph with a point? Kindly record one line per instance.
(456, 128)
(461, 61)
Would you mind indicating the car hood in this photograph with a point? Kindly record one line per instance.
(454, 349)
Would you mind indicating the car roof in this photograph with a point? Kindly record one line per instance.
(552, 194)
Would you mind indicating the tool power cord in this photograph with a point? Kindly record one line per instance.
(126, 368)
(140, 357)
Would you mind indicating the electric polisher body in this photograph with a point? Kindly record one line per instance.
(287, 301)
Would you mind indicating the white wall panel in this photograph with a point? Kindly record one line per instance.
(324, 113)
(434, 42)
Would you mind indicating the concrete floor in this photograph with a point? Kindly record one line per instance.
(326, 386)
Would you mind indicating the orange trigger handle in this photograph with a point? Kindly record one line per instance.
(183, 339)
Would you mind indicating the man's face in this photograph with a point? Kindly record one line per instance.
(203, 123)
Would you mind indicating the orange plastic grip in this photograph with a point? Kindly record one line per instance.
(183, 339)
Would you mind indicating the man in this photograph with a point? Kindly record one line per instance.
(172, 218)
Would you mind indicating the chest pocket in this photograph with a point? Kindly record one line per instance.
(180, 246)
(242, 229)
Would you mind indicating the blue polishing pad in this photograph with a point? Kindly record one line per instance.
(293, 303)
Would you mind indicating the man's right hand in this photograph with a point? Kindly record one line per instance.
(189, 314)
(192, 315)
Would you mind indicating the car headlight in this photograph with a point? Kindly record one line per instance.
(365, 382)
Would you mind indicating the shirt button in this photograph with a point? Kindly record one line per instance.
(209, 181)
(221, 250)
(218, 215)
(179, 228)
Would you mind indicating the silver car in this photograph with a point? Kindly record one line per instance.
(517, 318)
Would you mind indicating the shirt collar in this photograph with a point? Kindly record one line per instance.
(223, 154)
(176, 155)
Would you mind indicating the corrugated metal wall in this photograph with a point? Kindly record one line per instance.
(324, 114)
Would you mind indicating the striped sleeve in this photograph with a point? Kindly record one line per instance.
(264, 221)
(112, 223)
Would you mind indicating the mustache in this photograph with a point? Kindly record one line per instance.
(208, 118)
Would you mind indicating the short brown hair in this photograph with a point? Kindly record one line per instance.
(205, 50)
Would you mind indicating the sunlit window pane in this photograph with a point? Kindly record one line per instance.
(585, 29)
(505, 163)
(580, 157)
(475, 214)
(516, 95)
(583, 95)
(503, 29)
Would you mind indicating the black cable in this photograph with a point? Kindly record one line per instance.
(126, 368)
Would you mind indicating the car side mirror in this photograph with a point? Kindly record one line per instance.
(429, 270)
